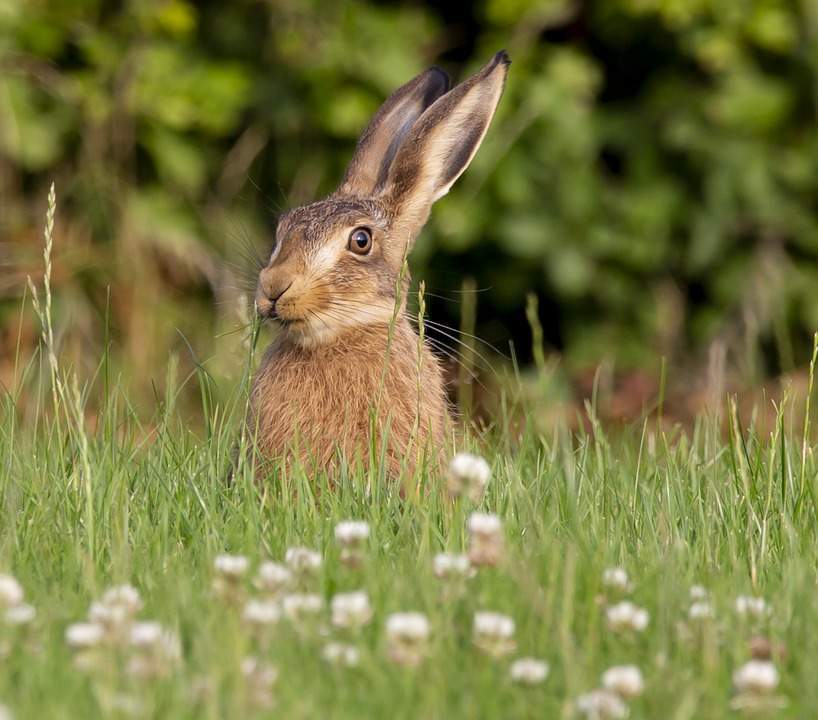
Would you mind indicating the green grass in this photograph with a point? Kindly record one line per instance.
(89, 504)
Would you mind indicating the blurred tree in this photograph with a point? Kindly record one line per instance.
(652, 173)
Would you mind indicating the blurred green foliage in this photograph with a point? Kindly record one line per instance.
(652, 172)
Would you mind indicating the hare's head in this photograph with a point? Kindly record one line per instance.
(338, 263)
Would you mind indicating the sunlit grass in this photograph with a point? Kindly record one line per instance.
(589, 554)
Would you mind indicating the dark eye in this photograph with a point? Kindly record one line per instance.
(360, 240)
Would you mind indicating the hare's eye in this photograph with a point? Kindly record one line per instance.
(360, 240)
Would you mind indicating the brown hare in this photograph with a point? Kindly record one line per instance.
(347, 374)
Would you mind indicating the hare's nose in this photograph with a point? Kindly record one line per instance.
(274, 284)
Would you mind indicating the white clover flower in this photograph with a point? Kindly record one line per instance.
(300, 607)
(698, 593)
(125, 596)
(21, 614)
(755, 607)
(452, 567)
(303, 561)
(616, 578)
(756, 676)
(111, 617)
(231, 567)
(352, 535)
(485, 524)
(470, 474)
(627, 616)
(11, 592)
(341, 654)
(493, 633)
(351, 610)
(261, 672)
(408, 626)
(260, 678)
(529, 671)
(407, 635)
(261, 612)
(155, 650)
(485, 539)
(273, 578)
(145, 634)
(701, 610)
(625, 680)
(84, 635)
(5, 713)
(351, 532)
(602, 705)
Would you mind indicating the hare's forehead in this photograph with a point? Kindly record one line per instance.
(312, 225)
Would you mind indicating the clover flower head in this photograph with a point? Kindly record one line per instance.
(351, 610)
(627, 616)
(11, 592)
(468, 474)
(273, 578)
(341, 654)
(261, 612)
(625, 680)
(493, 633)
(529, 671)
(407, 635)
(756, 677)
(231, 567)
(602, 705)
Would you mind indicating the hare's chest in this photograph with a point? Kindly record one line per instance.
(318, 399)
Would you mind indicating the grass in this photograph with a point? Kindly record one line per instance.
(89, 504)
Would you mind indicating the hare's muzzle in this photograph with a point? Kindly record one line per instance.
(270, 288)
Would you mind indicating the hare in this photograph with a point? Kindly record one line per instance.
(347, 374)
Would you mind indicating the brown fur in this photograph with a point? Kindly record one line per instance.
(348, 373)
(350, 396)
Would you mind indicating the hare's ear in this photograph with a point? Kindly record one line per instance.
(440, 146)
(369, 166)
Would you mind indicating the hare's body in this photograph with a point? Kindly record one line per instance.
(340, 399)
(347, 373)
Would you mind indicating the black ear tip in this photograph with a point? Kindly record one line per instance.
(502, 57)
(442, 75)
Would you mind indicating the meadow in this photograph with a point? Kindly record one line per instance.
(138, 582)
